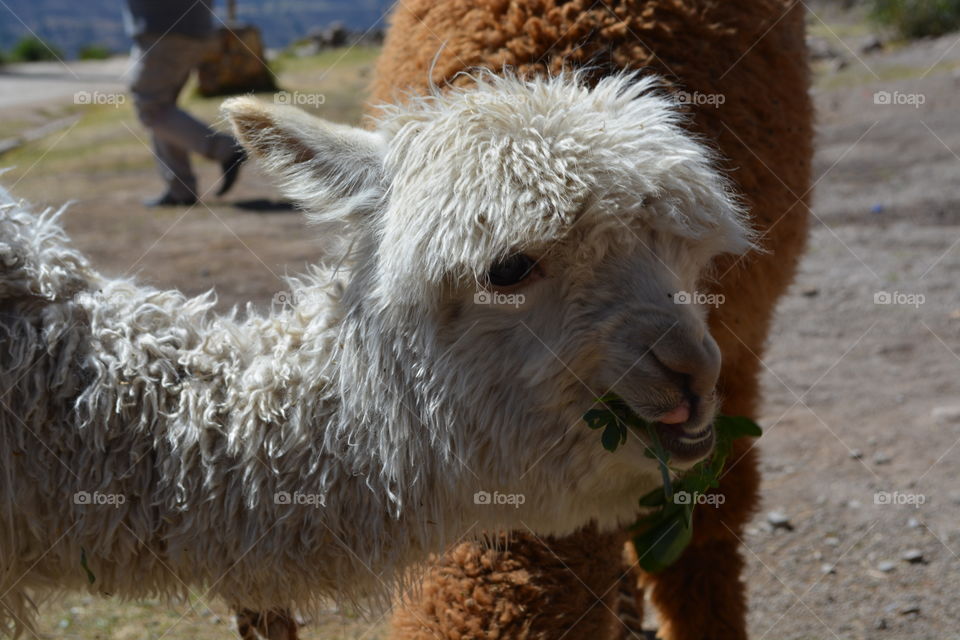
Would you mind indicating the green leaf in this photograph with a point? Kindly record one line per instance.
(653, 499)
(667, 529)
(612, 437)
(733, 427)
(597, 418)
(659, 546)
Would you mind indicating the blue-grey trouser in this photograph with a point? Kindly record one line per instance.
(161, 66)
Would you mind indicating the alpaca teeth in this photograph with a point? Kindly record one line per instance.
(697, 436)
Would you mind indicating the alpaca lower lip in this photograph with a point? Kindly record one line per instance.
(686, 445)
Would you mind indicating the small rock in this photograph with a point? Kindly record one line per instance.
(828, 569)
(881, 458)
(854, 504)
(913, 556)
(820, 49)
(809, 292)
(913, 523)
(873, 43)
(886, 566)
(832, 541)
(946, 413)
(856, 454)
(839, 64)
(779, 520)
(881, 624)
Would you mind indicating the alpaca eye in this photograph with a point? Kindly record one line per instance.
(511, 270)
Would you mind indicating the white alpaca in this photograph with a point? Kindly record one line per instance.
(512, 250)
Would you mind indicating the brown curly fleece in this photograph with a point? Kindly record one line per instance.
(514, 593)
(751, 52)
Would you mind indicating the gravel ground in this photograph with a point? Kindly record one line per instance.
(862, 410)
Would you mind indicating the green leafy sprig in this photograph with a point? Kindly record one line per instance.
(662, 535)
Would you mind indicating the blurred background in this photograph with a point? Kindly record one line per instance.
(858, 536)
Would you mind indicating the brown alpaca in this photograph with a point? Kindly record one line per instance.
(752, 55)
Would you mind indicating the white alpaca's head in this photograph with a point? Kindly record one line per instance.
(516, 249)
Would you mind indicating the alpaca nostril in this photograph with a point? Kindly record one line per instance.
(696, 361)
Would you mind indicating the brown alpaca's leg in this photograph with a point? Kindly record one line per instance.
(701, 597)
(271, 625)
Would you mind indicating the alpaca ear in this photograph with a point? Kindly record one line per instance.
(332, 171)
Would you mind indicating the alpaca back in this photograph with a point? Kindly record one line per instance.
(144, 439)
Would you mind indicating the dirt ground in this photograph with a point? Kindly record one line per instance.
(862, 407)
(862, 412)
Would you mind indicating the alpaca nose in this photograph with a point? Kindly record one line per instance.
(693, 354)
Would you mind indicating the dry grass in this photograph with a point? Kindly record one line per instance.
(85, 617)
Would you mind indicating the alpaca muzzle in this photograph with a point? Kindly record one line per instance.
(672, 382)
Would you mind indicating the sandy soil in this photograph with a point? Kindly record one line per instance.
(862, 398)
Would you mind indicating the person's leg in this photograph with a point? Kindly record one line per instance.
(174, 165)
(161, 68)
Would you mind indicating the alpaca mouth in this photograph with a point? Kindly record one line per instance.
(687, 442)
(686, 431)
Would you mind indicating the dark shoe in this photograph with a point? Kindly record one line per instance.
(231, 169)
(167, 200)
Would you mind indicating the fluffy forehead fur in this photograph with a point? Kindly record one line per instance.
(464, 177)
(512, 164)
